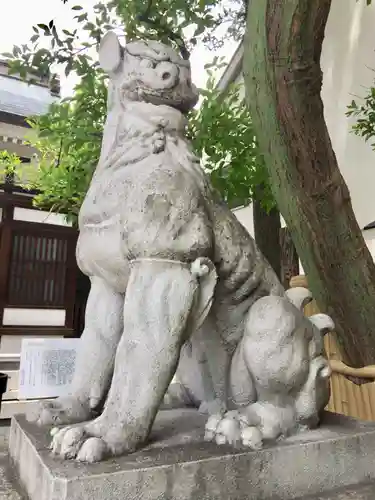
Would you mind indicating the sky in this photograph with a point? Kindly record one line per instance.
(17, 19)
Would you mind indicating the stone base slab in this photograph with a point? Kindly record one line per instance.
(179, 465)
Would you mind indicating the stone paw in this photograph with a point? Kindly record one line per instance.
(252, 438)
(74, 442)
(224, 429)
(93, 450)
(59, 412)
(233, 429)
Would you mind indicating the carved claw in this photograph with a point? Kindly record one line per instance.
(232, 429)
(251, 437)
(92, 450)
(68, 441)
(211, 426)
(61, 411)
(75, 443)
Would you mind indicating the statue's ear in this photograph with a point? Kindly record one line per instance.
(110, 52)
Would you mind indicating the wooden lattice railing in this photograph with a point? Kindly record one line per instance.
(38, 268)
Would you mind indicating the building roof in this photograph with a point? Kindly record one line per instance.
(21, 98)
(233, 69)
(16, 104)
(369, 226)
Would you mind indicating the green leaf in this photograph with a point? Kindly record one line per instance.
(77, 7)
(16, 51)
(81, 17)
(68, 68)
(43, 27)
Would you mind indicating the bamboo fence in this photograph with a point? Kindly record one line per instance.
(347, 398)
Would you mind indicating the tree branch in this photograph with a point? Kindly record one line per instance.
(163, 28)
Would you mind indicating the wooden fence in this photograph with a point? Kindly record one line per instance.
(347, 398)
(38, 268)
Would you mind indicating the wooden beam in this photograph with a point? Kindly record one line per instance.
(70, 284)
(5, 252)
(16, 200)
(43, 228)
(11, 119)
(36, 331)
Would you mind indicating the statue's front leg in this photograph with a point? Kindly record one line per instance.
(94, 367)
(158, 311)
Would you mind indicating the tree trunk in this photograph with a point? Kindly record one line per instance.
(266, 231)
(283, 81)
(289, 257)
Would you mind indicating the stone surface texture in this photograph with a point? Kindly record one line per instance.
(177, 283)
(9, 487)
(179, 465)
(361, 492)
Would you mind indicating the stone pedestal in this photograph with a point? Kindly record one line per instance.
(178, 465)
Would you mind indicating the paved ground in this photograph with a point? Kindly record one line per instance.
(9, 490)
(8, 486)
(364, 492)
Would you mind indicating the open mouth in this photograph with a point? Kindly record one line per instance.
(184, 104)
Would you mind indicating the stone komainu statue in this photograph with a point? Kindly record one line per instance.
(177, 286)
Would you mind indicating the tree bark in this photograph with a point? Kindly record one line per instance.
(289, 257)
(283, 80)
(266, 231)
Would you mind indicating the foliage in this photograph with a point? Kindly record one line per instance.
(365, 117)
(69, 140)
(8, 165)
(223, 135)
(174, 21)
(221, 132)
(69, 136)
(365, 113)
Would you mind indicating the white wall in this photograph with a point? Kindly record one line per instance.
(11, 130)
(348, 54)
(14, 316)
(245, 216)
(16, 132)
(347, 58)
(30, 215)
(370, 240)
(21, 88)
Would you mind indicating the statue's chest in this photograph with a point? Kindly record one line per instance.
(107, 196)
